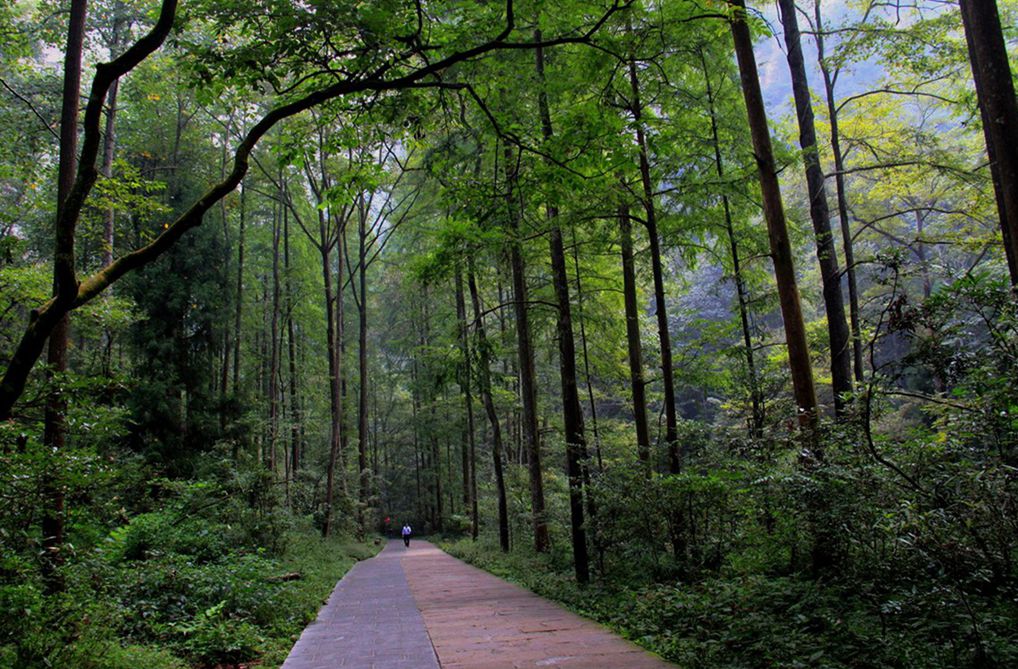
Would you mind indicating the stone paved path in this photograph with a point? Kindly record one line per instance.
(369, 622)
(402, 608)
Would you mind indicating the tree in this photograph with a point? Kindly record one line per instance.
(636, 383)
(991, 72)
(525, 352)
(571, 412)
(837, 326)
(660, 306)
(469, 449)
(63, 285)
(830, 79)
(332, 219)
(781, 249)
(741, 293)
(484, 384)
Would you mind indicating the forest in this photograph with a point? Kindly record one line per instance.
(696, 316)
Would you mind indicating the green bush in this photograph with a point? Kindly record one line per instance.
(138, 657)
(211, 637)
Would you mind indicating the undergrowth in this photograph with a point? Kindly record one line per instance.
(203, 579)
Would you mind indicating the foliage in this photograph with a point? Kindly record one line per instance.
(195, 578)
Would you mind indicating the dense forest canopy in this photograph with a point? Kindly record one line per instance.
(702, 312)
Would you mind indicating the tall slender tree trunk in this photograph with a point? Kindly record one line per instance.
(742, 296)
(224, 372)
(528, 374)
(64, 285)
(239, 292)
(637, 384)
(364, 474)
(823, 550)
(110, 136)
(469, 446)
(484, 387)
(588, 380)
(572, 414)
(415, 408)
(296, 447)
(756, 397)
(344, 432)
(998, 107)
(438, 507)
(335, 390)
(827, 255)
(274, 342)
(661, 309)
(109, 152)
(847, 242)
(509, 368)
(781, 248)
(585, 465)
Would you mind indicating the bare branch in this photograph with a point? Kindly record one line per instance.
(31, 107)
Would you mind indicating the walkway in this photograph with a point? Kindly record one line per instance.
(369, 622)
(423, 609)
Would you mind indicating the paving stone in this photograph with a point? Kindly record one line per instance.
(478, 621)
(369, 622)
(423, 609)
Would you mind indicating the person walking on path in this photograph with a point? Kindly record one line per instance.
(406, 534)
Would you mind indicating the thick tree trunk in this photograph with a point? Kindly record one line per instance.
(827, 255)
(65, 281)
(661, 309)
(823, 549)
(64, 285)
(991, 72)
(484, 387)
(848, 245)
(634, 346)
(742, 297)
(781, 248)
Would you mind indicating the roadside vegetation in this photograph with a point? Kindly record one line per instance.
(208, 571)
